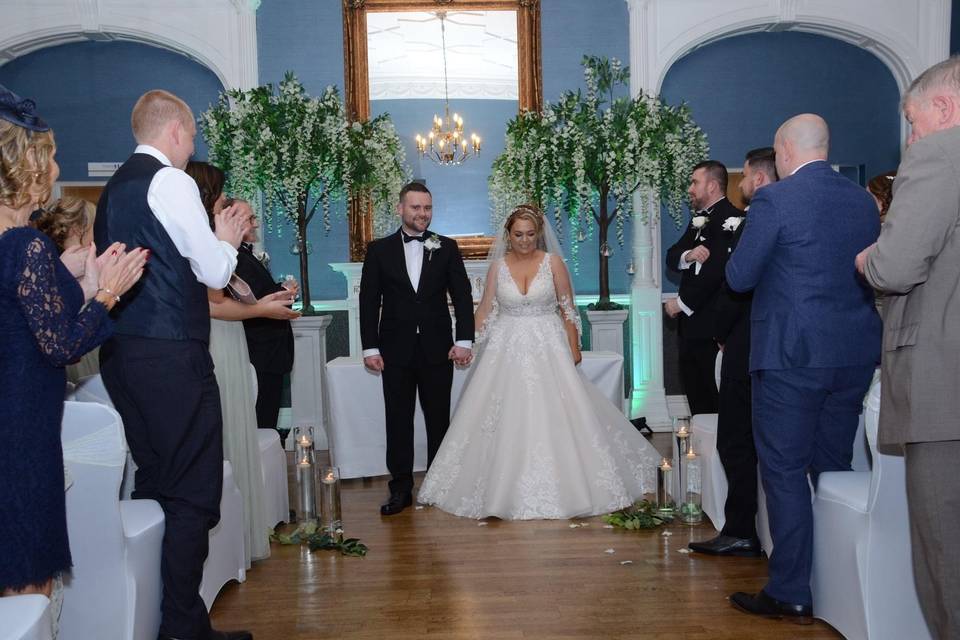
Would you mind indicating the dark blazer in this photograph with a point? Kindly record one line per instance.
(699, 291)
(269, 341)
(810, 307)
(392, 313)
(732, 328)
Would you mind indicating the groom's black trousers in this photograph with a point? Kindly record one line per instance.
(401, 383)
(739, 457)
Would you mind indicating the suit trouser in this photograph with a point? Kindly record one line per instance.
(933, 500)
(400, 385)
(167, 395)
(269, 392)
(698, 359)
(739, 457)
(804, 421)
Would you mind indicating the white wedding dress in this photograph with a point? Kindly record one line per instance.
(531, 437)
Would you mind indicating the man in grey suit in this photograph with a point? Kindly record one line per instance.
(916, 261)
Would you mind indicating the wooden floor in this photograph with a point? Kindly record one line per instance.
(433, 575)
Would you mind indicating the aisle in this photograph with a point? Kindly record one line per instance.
(432, 575)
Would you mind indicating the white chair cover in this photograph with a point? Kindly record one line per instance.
(226, 559)
(113, 591)
(273, 466)
(25, 617)
(862, 571)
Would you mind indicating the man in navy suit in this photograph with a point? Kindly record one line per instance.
(814, 344)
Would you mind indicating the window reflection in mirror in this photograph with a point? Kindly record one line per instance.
(406, 79)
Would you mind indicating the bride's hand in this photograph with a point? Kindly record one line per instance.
(577, 356)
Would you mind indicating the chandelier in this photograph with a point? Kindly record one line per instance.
(446, 144)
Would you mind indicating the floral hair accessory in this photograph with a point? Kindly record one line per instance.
(20, 111)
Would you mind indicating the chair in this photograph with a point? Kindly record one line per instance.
(226, 559)
(25, 617)
(273, 467)
(114, 589)
(703, 428)
(91, 389)
(862, 578)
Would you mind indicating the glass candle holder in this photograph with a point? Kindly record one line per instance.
(691, 506)
(665, 489)
(331, 518)
(681, 429)
(306, 464)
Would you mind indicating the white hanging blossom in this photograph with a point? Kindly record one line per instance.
(302, 153)
(591, 144)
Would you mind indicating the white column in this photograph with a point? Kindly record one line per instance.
(647, 395)
(308, 381)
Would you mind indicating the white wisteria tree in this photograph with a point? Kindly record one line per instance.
(303, 154)
(586, 152)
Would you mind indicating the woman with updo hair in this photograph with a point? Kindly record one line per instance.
(48, 318)
(881, 188)
(532, 438)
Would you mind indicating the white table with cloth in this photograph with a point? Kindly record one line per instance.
(357, 432)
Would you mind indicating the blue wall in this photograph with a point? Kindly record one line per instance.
(87, 90)
(460, 201)
(742, 89)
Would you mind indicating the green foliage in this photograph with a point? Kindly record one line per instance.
(315, 540)
(302, 152)
(642, 515)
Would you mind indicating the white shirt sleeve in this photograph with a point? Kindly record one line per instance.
(683, 260)
(687, 310)
(175, 201)
(466, 344)
(371, 352)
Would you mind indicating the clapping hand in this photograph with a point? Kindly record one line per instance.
(75, 260)
(461, 356)
(861, 260)
(700, 254)
(276, 306)
(672, 307)
(232, 224)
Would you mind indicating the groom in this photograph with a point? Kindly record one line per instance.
(406, 332)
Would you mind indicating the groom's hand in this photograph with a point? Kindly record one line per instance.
(460, 355)
(374, 363)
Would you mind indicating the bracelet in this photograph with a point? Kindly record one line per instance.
(116, 298)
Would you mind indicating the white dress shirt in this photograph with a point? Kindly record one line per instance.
(174, 198)
(413, 255)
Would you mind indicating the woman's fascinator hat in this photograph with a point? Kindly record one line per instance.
(20, 111)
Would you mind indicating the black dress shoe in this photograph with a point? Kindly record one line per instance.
(763, 605)
(728, 546)
(397, 503)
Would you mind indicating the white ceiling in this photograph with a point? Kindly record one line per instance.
(406, 59)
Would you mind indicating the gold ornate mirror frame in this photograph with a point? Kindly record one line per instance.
(357, 87)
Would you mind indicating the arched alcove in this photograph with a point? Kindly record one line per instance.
(219, 34)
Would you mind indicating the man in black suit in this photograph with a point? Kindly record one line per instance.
(700, 255)
(269, 338)
(406, 332)
(734, 424)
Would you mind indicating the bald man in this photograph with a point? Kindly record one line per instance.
(814, 344)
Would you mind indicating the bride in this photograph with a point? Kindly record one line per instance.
(531, 437)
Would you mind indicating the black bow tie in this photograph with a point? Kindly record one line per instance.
(407, 238)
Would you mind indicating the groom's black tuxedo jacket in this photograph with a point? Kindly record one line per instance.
(392, 313)
(733, 325)
(699, 291)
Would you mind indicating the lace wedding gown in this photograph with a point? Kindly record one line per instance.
(531, 437)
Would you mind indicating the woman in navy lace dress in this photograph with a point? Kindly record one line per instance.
(48, 318)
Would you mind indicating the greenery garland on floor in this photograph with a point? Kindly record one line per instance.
(315, 539)
(641, 515)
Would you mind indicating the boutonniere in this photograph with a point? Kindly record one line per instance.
(263, 257)
(431, 244)
(699, 222)
(732, 223)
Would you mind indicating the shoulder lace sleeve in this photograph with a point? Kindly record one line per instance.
(61, 336)
(565, 300)
(488, 308)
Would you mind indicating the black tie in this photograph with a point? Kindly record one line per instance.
(407, 238)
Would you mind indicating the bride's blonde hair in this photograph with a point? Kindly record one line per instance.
(528, 212)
